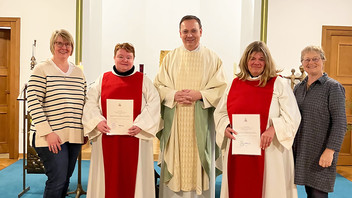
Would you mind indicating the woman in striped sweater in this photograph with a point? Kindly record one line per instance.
(56, 91)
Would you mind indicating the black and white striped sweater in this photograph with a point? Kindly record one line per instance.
(55, 102)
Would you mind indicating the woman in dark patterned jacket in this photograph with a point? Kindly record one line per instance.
(321, 101)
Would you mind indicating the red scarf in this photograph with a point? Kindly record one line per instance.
(120, 152)
(246, 172)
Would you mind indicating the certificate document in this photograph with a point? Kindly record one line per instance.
(119, 115)
(247, 140)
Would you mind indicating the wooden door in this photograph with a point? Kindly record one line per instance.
(337, 44)
(4, 89)
(9, 85)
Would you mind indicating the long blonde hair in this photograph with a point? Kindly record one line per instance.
(269, 69)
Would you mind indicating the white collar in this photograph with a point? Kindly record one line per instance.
(250, 78)
(195, 50)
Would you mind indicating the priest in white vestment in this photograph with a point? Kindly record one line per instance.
(190, 83)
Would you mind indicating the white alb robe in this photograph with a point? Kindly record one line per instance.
(148, 120)
(284, 115)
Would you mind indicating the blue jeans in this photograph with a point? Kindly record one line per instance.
(58, 168)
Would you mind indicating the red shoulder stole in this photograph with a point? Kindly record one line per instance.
(120, 152)
(246, 172)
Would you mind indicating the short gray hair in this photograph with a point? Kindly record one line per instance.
(312, 48)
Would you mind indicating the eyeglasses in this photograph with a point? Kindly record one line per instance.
(307, 60)
(60, 44)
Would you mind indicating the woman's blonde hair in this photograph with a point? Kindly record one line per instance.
(269, 68)
(66, 36)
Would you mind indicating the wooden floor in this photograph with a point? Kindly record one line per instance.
(345, 171)
(5, 161)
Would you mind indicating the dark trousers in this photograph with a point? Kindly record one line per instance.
(315, 193)
(58, 168)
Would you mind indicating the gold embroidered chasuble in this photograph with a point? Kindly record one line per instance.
(198, 70)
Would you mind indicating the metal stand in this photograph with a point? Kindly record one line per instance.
(36, 165)
(79, 190)
(25, 189)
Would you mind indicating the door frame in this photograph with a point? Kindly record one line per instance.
(14, 80)
(326, 40)
(327, 33)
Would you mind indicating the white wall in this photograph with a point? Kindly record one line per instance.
(92, 39)
(152, 26)
(39, 18)
(228, 27)
(295, 24)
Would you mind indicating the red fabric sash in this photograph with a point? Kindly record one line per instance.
(120, 152)
(246, 172)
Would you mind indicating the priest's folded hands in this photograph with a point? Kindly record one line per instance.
(187, 96)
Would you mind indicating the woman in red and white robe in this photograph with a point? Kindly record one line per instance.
(122, 165)
(259, 90)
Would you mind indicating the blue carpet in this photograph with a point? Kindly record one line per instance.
(11, 183)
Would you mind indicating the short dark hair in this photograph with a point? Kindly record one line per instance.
(190, 17)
